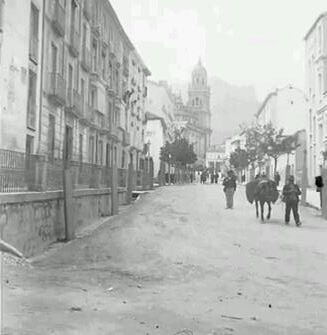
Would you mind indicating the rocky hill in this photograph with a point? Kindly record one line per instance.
(230, 106)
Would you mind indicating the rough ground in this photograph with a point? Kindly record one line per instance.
(177, 260)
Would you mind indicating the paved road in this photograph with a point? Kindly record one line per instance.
(178, 260)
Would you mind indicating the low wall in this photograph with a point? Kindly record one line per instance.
(32, 221)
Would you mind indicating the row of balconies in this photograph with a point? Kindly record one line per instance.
(76, 104)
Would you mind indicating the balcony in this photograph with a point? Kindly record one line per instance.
(34, 49)
(58, 20)
(86, 59)
(74, 42)
(56, 88)
(115, 133)
(126, 139)
(87, 9)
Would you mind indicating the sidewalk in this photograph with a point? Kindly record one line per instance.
(313, 198)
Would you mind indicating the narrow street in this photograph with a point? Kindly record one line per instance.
(177, 260)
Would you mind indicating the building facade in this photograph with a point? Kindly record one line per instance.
(72, 84)
(194, 117)
(20, 71)
(286, 108)
(316, 92)
(160, 120)
(216, 159)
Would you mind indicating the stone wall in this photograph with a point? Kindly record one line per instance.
(32, 221)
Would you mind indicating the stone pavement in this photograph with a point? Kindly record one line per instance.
(177, 260)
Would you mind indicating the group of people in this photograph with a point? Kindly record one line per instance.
(207, 175)
(290, 194)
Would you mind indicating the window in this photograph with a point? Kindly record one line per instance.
(110, 75)
(34, 33)
(115, 155)
(94, 55)
(54, 58)
(31, 107)
(51, 137)
(107, 154)
(94, 97)
(117, 81)
(83, 92)
(100, 153)
(104, 60)
(70, 83)
(80, 146)
(91, 149)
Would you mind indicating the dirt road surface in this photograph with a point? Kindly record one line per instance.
(177, 262)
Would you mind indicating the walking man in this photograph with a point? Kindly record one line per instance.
(229, 184)
(291, 192)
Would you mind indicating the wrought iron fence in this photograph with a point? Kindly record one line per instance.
(20, 172)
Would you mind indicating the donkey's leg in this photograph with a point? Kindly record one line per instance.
(269, 210)
(262, 207)
(256, 208)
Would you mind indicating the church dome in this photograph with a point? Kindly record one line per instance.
(199, 69)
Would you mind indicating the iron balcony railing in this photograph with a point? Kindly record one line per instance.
(58, 20)
(57, 88)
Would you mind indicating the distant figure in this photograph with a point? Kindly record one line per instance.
(191, 177)
(203, 177)
(229, 184)
(291, 192)
(277, 178)
(243, 178)
(216, 177)
(319, 185)
(212, 177)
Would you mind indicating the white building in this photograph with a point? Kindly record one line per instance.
(215, 158)
(160, 119)
(316, 91)
(285, 108)
(20, 58)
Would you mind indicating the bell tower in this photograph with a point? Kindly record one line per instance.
(199, 95)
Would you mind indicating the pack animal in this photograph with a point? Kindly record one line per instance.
(261, 192)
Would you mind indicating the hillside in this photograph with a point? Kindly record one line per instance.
(230, 106)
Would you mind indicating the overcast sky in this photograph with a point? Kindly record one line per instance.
(245, 42)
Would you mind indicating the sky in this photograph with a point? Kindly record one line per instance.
(245, 42)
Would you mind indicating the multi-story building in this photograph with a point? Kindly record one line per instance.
(160, 120)
(285, 108)
(195, 117)
(215, 158)
(316, 92)
(20, 72)
(94, 86)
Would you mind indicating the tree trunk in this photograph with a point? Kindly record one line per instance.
(275, 165)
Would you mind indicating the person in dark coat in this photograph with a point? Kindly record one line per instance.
(216, 177)
(277, 178)
(291, 193)
(319, 185)
(229, 184)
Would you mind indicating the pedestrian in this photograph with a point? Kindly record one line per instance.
(291, 193)
(203, 176)
(229, 184)
(277, 178)
(212, 177)
(319, 185)
(216, 177)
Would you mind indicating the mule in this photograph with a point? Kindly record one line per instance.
(261, 192)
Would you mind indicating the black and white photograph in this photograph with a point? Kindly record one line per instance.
(163, 167)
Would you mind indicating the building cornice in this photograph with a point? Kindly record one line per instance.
(314, 25)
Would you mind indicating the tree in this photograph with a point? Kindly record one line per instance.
(179, 152)
(276, 144)
(253, 144)
(239, 159)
